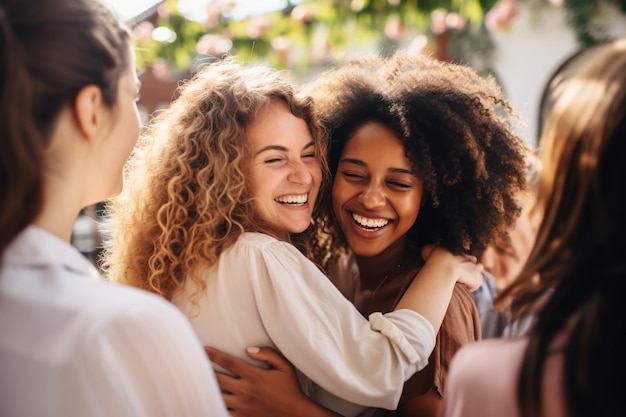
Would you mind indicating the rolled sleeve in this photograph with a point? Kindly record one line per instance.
(399, 327)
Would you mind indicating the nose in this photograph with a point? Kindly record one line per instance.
(487, 258)
(300, 174)
(372, 197)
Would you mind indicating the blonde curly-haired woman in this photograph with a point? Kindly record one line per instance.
(218, 203)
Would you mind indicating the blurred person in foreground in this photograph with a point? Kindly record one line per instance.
(74, 345)
(572, 361)
(503, 260)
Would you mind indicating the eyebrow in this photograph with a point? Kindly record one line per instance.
(364, 165)
(281, 148)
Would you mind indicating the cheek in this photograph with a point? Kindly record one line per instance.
(316, 174)
(253, 181)
(411, 208)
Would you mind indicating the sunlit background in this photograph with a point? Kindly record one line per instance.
(522, 43)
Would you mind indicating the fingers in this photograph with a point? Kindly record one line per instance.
(427, 251)
(228, 362)
(230, 402)
(475, 279)
(472, 258)
(269, 356)
(227, 383)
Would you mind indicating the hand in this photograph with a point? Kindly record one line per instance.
(258, 392)
(469, 270)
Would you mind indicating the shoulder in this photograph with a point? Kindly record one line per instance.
(144, 354)
(109, 300)
(462, 319)
(140, 327)
(462, 296)
(136, 314)
(149, 308)
(489, 353)
(107, 314)
(257, 248)
(259, 242)
(482, 379)
(76, 316)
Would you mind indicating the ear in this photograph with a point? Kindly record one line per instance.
(87, 109)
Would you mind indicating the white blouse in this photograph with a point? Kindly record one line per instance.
(264, 292)
(74, 345)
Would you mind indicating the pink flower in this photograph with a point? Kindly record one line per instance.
(501, 15)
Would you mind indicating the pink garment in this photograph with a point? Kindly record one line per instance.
(483, 376)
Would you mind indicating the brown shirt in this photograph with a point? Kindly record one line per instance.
(461, 324)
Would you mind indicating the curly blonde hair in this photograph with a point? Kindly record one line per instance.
(186, 198)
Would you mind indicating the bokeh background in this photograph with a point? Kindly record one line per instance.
(522, 43)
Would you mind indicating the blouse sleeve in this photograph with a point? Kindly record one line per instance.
(325, 336)
(147, 363)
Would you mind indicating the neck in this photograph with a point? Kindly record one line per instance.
(374, 269)
(59, 210)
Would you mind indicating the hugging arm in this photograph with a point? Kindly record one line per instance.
(260, 392)
(431, 290)
(255, 389)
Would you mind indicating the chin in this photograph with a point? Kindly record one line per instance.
(298, 228)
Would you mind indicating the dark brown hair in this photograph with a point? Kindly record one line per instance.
(49, 50)
(580, 252)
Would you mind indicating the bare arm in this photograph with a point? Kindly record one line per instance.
(259, 392)
(430, 292)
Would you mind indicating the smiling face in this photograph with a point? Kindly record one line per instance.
(376, 193)
(284, 171)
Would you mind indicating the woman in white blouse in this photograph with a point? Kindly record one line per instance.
(73, 344)
(218, 205)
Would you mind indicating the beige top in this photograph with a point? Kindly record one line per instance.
(264, 292)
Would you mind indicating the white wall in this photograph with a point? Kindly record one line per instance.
(532, 49)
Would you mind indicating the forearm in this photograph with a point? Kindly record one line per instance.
(430, 292)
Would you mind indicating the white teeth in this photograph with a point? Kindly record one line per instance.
(369, 223)
(294, 199)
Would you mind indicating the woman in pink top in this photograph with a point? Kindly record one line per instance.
(572, 363)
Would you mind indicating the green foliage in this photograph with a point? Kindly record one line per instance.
(581, 17)
(343, 25)
(332, 24)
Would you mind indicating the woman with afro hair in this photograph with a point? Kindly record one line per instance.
(219, 198)
(420, 153)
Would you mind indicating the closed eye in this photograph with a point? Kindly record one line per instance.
(506, 250)
(402, 185)
(353, 175)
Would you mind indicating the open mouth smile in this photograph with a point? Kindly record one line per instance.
(294, 200)
(370, 224)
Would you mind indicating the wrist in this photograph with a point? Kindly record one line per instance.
(448, 265)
